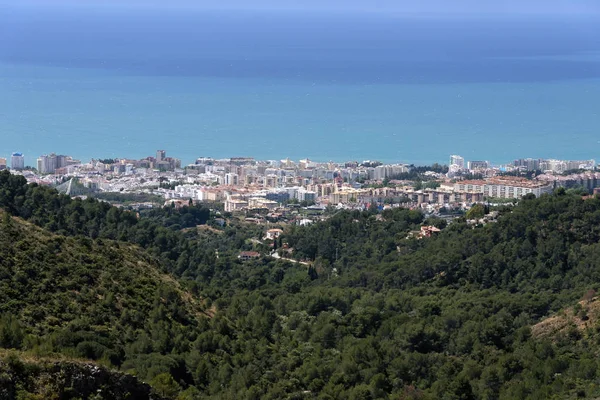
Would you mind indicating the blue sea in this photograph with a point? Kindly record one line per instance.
(397, 88)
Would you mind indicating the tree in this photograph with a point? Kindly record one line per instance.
(190, 393)
(490, 384)
(164, 385)
(312, 272)
(476, 212)
(11, 332)
(7, 221)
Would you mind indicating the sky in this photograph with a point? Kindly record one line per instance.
(558, 7)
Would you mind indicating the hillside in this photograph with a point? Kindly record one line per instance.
(571, 323)
(96, 300)
(456, 316)
(100, 279)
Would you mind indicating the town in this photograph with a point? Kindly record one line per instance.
(280, 190)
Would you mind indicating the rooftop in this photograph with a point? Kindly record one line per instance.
(515, 181)
(472, 182)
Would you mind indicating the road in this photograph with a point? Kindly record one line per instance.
(278, 257)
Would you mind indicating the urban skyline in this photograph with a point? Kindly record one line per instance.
(244, 183)
(532, 163)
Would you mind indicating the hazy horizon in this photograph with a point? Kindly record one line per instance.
(541, 7)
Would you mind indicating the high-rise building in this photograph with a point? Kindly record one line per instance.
(457, 161)
(554, 165)
(473, 165)
(529, 164)
(278, 196)
(46, 164)
(231, 179)
(17, 161)
(160, 155)
(581, 164)
(173, 163)
(306, 195)
(2, 163)
(61, 161)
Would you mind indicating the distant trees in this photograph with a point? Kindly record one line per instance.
(419, 185)
(418, 173)
(125, 198)
(347, 232)
(478, 211)
(164, 385)
(524, 174)
(11, 332)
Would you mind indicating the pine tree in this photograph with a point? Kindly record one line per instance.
(7, 222)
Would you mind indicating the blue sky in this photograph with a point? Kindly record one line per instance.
(384, 6)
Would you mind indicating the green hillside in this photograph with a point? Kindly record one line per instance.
(86, 299)
(501, 311)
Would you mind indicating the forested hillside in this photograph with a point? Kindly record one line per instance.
(463, 315)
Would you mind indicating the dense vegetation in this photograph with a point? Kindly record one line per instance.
(98, 300)
(127, 198)
(376, 315)
(354, 236)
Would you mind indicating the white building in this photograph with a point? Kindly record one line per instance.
(475, 165)
(231, 179)
(474, 186)
(17, 161)
(457, 161)
(514, 188)
(235, 204)
(261, 202)
(273, 234)
(46, 164)
(581, 164)
(306, 195)
(388, 171)
(554, 165)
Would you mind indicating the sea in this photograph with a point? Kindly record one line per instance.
(119, 82)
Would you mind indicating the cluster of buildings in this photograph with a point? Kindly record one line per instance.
(268, 199)
(55, 164)
(244, 184)
(63, 165)
(458, 166)
(501, 187)
(124, 166)
(247, 171)
(588, 180)
(550, 165)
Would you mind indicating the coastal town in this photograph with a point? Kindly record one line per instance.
(278, 190)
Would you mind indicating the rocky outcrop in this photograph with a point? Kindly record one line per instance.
(43, 379)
